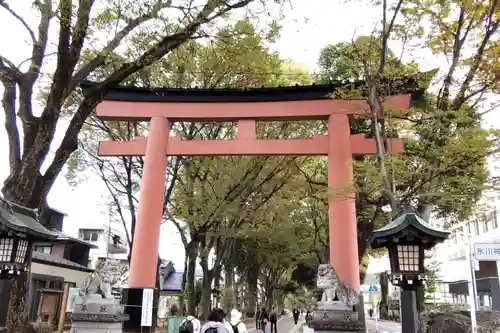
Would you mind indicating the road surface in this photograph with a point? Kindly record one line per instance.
(382, 326)
(285, 325)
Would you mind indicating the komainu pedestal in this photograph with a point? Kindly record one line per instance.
(95, 314)
(336, 312)
(96, 310)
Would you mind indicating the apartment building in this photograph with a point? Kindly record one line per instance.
(109, 243)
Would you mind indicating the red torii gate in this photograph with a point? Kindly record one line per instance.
(245, 107)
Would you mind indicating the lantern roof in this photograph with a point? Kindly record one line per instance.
(23, 221)
(407, 222)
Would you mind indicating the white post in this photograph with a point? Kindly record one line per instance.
(472, 288)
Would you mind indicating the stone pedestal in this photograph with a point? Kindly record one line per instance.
(335, 320)
(95, 314)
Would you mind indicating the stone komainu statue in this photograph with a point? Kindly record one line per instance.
(335, 291)
(101, 281)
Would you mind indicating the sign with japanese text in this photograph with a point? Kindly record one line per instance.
(147, 307)
(72, 298)
(487, 251)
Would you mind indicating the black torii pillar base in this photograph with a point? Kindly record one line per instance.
(132, 300)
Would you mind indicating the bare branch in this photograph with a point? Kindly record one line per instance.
(18, 17)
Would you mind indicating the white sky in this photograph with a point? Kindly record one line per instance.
(308, 27)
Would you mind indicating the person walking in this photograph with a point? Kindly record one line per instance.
(216, 323)
(273, 318)
(264, 319)
(190, 325)
(308, 316)
(257, 319)
(236, 323)
(296, 314)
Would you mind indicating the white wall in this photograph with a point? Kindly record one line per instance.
(69, 275)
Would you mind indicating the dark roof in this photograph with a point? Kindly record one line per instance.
(61, 236)
(23, 220)
(173, 282)
(407, 219)
(414, 85)
(57, 211)
(58, 261)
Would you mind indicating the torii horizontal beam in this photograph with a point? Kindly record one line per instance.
(317, 146)
(232, 111)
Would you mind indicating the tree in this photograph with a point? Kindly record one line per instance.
(439, 120)
(171, 23)
(237, 57)
(27, 184)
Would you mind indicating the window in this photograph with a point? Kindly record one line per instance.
(47, 249)
(408, 258)
(495, 221)
(116, 240)
(89, 235)
(454, 237)
(462, 234)
(468, 229)
(485, 226)
(6, 245)
(476, 227)
(22, 249)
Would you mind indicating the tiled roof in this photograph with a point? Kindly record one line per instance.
(51, 259)
(173, 282)
(22, 219)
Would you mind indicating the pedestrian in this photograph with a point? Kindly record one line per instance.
(296, 314)
(190, 325)
(257, 319)
(308, 316)
(264, 319)
(236, 323)
(370, 312)
(216, 323)
(273, 318)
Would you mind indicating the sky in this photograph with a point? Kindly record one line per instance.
(307, 28)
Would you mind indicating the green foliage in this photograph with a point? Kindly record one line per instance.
(351, 61)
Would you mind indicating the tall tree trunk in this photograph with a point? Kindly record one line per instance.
(182, 297)
(253, 279)
(206, 293)
(229, 297)
(17, 314)
(384, 293)
(192, 255)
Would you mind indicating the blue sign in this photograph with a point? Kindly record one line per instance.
(373, 288)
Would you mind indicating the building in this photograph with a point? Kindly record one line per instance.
(171, 290)
(108, 243)
(57, 265)
(484, 227)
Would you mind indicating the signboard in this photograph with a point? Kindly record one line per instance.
(373, 288)
(72, 298)
(147, 308)
(487, 251)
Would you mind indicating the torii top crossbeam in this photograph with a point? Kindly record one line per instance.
(244, 106)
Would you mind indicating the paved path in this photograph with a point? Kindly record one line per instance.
(382, 326)
(285, 325)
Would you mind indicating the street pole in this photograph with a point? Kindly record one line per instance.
(473, 288)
